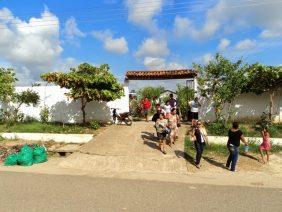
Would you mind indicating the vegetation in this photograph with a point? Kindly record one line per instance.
(7, 84)
(262, 79)
(221, 149)
(185, 95)
(87, 83)
(95, 125)
(38, 127)
(44, 114)
(28, 98)
(151, 92)
(249, 129)
(221, 81)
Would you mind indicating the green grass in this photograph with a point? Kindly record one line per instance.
(38, 127)
(249, 130)
(221, 149)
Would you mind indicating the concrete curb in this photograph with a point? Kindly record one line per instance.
(65, 138)
(257, 140)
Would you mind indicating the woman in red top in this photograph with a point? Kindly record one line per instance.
(146, 105)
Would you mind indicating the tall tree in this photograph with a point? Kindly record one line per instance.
(184, 95)
(7, 84)
(263, 79)
(221, 81)
(87, 83)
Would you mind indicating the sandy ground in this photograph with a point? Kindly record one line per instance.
(131, 153)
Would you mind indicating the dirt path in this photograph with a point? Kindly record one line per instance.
(127, 149)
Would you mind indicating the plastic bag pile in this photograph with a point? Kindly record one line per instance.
(27, 156)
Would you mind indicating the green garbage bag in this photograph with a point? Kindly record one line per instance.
(11, 160)
(25, 156)
(39, 154)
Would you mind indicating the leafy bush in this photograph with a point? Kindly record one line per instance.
(30, 119)
(218, 128)
(273, 130)
(94, 125)
(44, 114)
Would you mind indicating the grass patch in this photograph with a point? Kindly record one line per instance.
(220, 149)
(38, 127)
(249, 129)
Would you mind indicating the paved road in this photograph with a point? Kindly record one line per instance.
(31, 192)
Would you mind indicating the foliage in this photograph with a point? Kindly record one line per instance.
(27, 97)
(44, 114)
(261, 78)
(39, 127)
(94, 125)
(185, 94)
(221, 80)
(87, 83)
(151, 92)
(7, 84)
(218, 128)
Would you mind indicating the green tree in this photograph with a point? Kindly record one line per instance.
(151, 92)
(7, 84)
(221, 81)
(184, 94)
(261, 79)
(87, 83)
(27, 97)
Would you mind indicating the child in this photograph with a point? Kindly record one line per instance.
(265, 146)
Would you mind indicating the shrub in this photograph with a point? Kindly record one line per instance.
(44, 114)
(218, 128)
(94, 125)
(273, 130)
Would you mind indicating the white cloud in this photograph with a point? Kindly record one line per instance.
(246, 44)
(153, 47)
(160, 63)
(113, 45)
(230, 15)
(32, 46)
(185, 27)
(71, 31)
(142, 12)
(223, 44)
(207, 58)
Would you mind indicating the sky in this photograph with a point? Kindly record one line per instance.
(39, 36)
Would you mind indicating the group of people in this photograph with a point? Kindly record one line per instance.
(167, 123)
(199, 136)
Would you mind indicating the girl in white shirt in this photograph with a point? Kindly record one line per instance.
(167, 108)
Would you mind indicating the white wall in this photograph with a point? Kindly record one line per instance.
(68, 111)
(247, 107)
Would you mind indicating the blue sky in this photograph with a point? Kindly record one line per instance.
(38, 36)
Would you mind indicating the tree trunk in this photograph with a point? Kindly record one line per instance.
(83, 105)
(271, 95)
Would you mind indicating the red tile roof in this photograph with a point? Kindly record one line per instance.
(160, 74)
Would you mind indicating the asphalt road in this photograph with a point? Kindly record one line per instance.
(34, 192)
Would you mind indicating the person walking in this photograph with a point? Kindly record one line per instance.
(172, 101)
(146, 105)
(173, 121)
(194, 107)
(200, 138)
(167, 109)
(265, 145)
(234, 137)
(162, 131)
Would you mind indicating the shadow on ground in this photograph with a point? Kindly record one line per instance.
(149, 139)
(214, 162)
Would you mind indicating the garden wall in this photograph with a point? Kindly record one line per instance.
(65, 110)
(247, 107)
